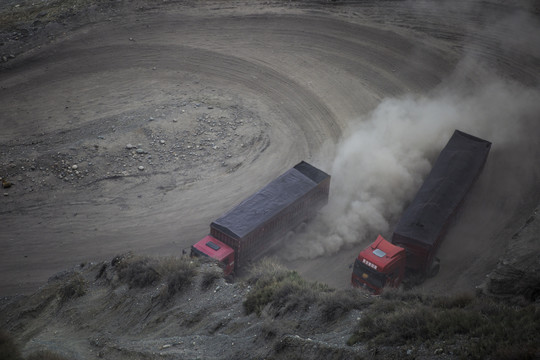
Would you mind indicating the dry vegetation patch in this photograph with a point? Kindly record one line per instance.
(463, 325)
(280, 291)
(475, 327)
(273, 309)
(175, 274)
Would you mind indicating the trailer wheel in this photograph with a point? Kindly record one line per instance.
(435, 267)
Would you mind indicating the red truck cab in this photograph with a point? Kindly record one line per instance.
(215, 249)
(379, 265)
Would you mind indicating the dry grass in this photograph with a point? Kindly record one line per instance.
(178, 273)
(282, 291)
(285, 290)
(210, 277)
(135, 271)
(484, 328)
(334, 305)
(142, 272)
(72, 288)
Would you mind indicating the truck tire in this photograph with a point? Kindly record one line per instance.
(435, 267)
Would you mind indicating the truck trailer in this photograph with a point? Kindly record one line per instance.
(249, 229)
(423, 225)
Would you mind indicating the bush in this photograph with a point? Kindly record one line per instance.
(178, 272)
(209, 278)
(266, 270)
(142, 272)
(179, 280)
(335, 304)
(285, 290)
(73, 288)
(490, 329)
(8, 348)
(272, 283)
(136, 272)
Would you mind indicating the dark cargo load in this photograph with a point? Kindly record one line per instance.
(425, 221)
(284, 203)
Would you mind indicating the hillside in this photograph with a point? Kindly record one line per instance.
(128, 126)
(176, 308)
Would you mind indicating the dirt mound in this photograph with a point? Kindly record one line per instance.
(143, 307)
(136, 307)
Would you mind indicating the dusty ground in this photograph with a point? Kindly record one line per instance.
(133, 127)
(130, 126)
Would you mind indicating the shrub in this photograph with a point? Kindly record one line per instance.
(142, 272)
(8, 348)
(178, 272)
(178, 281)
(266, 270)
(273, 283)
(136, 272)
(73, 288)
(294, 293)
(209, 278)
(491, 329)
(335, 304)
(258, 298)
(285, 290)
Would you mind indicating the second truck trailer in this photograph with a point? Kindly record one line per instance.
(424, 223)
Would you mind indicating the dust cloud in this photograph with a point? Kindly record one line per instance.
(379, 167)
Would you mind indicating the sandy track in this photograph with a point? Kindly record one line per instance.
(237, 94)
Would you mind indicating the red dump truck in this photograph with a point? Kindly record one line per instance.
(422, 226)
(250, 228)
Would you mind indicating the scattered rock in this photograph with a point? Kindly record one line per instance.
(141, 168)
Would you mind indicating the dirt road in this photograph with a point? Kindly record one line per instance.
(135, 132)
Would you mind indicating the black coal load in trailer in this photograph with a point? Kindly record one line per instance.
(425, 221)
(265, 217)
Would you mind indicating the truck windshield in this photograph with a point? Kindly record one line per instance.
(369, 275)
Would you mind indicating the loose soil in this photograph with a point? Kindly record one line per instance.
(130, 127)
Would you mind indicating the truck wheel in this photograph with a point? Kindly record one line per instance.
(435, 267)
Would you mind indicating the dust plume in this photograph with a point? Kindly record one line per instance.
(379, 167)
